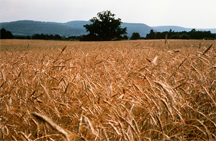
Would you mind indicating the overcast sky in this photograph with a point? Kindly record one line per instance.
(185, 13)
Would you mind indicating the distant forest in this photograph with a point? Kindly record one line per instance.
(193, 34)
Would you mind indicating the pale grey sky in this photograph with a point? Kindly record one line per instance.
(185, 13)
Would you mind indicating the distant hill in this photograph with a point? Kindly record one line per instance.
(75, 28)
(167, 28)
(179, 28)
(77, 24)
(36, 27)
(142, 29)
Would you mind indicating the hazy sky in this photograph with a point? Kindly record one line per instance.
(185, 13)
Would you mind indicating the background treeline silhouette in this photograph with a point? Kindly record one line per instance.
(193, 34)
(4, 34)
(47, 37)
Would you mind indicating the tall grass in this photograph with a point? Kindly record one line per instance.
(131, 90)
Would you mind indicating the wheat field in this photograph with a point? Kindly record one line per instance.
(122, 90)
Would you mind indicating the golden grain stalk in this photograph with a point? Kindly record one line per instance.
(52, 124)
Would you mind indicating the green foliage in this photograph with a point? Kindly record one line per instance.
(151, 35)
(135, 36)
(178, 36)
(47, 37)
(125, 37)
(4, 34)
(193, 34)
(74, 38)
(185, 36)
(22, 37)
(175, 36)
(54, 37)
(104, 28)
(210, 38)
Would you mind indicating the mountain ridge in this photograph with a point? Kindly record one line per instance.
(75, 28)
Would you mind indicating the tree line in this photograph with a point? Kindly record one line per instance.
(4, 34)
(193, 34)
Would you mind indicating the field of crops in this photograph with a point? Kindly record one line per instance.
(122, 90)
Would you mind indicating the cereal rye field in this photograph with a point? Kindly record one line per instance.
(123, 90)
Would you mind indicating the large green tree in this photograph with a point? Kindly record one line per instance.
(105, 27)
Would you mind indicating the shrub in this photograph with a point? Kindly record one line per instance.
(135, 36)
